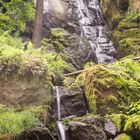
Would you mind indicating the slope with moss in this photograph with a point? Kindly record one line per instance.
(123, 19)
(111, 88)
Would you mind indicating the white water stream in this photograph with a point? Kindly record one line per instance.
(61, 129)
(93, 29)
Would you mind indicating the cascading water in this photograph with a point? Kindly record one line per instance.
(61, 129)
(69, 104)
(94, 30)
(46, 5)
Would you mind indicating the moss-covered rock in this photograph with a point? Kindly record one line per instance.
(14, 122)
(124, 20)
(119, 120)
(87, 127)
(132, 126)
(123, 137)
(111, 88)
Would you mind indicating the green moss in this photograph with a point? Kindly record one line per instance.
(13, 123)
(67, 121)
(111, 88)
(127, 25)
(132, 126)
(132, 33)
(59, 45)
(89, 64)
(68, 81)
(119, 120)
(124, 137)
(129, 21)
(58, 33)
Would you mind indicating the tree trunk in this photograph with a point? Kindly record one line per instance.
(36, 39)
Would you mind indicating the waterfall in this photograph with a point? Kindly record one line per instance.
(46, 6)
(93, 28)
(58, 103)
(61, 129)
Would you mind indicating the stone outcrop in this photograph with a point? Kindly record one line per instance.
(72, 103)
(66, 18)
(123, 19)
(86, 20)
(40, 131)
(75, 49)
(15, 91)
(78, 51)
(90, 128)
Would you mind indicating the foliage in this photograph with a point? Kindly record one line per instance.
(54, 47)
(12, 41)
(135, 108)
(13, 122)
(111, 88)
(13, 58)
(56, 64)
(89, 64)
(124, 137)
(119, 120)
(17, 14)
(36, 62)
(132, 126)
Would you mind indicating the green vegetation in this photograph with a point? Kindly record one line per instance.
(132, 126)
(36, 62)
(124, 137)
(119, 120)
(111, 88)
(13, 122)
(15, 14)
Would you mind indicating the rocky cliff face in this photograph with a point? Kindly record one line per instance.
(15, 92)
(86, 20)
(123, 18)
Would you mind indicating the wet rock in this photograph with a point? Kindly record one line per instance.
(40, 132)
(65, 17)
(86, 129)
(110, 128)
(72, 103)
(78, 51)
(86, 20)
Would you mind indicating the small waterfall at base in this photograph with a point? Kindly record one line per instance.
(61, 129)
(93, 28)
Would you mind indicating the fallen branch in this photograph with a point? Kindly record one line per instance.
(74, 73)
(80, 71)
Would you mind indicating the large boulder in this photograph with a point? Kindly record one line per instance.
(86, 128)
(75, 49)
(125, 27)
(110, 89)
(72, 103)
(15, 91)
(63, 16)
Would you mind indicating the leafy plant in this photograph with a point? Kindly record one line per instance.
(13, 123)
(17, 14)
